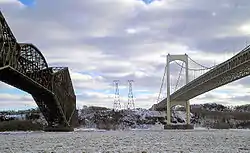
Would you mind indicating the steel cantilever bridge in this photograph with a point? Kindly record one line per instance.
(23, 66)
(231, 70)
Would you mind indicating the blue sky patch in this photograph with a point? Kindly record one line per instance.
(27, 2)
(148, 1)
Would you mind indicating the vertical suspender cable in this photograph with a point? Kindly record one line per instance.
(179, 77)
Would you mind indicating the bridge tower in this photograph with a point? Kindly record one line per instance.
(170, 104)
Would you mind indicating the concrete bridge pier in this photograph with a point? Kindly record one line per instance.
(188, 112)
(169, 125)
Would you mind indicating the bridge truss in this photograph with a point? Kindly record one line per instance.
(23, 66)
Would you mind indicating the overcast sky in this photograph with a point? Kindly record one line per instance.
(105, 40)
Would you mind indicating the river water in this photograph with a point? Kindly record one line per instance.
(88, 141)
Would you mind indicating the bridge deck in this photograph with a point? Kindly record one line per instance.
(22, 82)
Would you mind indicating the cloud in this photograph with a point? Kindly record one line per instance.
(104, 40)
(10, 2)
(15, 102)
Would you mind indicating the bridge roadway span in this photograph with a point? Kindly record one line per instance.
(231, 70)
(23, 66)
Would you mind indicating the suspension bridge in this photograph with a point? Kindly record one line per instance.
(207, 79)
(23, 66)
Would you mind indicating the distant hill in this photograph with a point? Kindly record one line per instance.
(210, 115)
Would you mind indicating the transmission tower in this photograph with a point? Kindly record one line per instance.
(131, 103)
(117, 104)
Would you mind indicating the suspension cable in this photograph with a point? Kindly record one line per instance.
(193, 69)
(162, 82)
(179, 77)
(200, 64)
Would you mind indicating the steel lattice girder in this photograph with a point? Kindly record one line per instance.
(9, 49)
(64, 91)
(61, 111)
(233, 69)
(33, 64)
(31, 58)
(23, 66)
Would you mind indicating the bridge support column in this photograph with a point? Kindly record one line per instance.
(188, 112)
(168, 113)
(168, 91)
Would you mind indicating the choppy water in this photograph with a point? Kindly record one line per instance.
(127, 141)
